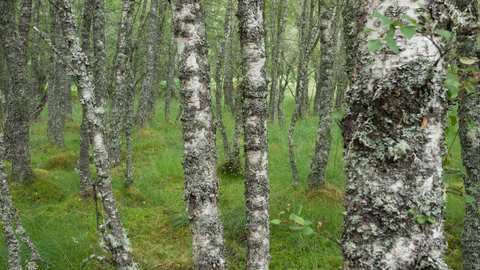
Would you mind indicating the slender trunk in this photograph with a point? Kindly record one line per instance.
(276, 65)
(200, 158)
(342, 76)
(326, 84)
(17, 125)
(227, 86)
(129, 104)
(113, 233)
(145, 93)
(52, 74)
(34, 68)
(392, 162)
(281, 95)
(121, 86)
(255, 90)
(171, 87)
(84, 159)
(468, 112)
(100, 64)
(291, 149)
(235, 154)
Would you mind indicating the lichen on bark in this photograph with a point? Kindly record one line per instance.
(391, 164)
(200, 158)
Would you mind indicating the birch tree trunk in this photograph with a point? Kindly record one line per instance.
(121, 86)
(100, 64)
(200, 158)
(145, 93)
(255, 91)
(35, 81)
(326, 85)
(51, 74)
(114, 235)
(17, 119)
(171, 74)
(392, 163)
(469, 111)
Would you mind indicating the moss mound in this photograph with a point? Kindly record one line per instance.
(119, 171)
(62, 162)
(71, 126)
(144, 133)
(130, 196)
(327, 194)
(40, 191)
(230, 169)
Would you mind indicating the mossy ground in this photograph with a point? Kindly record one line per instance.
(62, 224)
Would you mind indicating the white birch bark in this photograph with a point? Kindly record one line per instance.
(392, 165)
(200, 158)
(255, 91)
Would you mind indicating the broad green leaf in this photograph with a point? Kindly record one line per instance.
(453, 119)
(338, 115)
(275, 221)
(391, 33)
(412, 211)
(463, 170)
(328, 135)
(374, 44)
(468, 198)
(307, 231)
(421, 219)
(281, 213)
(471, 123)
(406, 17)
(366, 31)
(307, 222)
(386, 21)
(395, 23)
(467, 61)
(444, 33)
(376, 14)
(422, 6)
(292, 217)
(473, 190)
(446, 163)
(453, 87)
(295, 228)
(299, 220)
(392, 44)
(408, 31)
(431, 220)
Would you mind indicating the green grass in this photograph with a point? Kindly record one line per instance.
(62, 224)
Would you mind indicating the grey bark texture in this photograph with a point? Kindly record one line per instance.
(171, 73)
(254, 87)
(84, 155)
(17, 125)
(9, 217)
(277, 55)
(145, 92)
(36, 81)
(291, 148)
(51, 74)
(114, 235)
(100, 64)
(121, 85)
(200, 158)
(227, 86)
(235, 162)
(392, 164)
(325, 92)
(469, 111)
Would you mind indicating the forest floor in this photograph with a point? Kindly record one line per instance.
(62, 224)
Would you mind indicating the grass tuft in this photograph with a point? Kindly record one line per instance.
(61, 162)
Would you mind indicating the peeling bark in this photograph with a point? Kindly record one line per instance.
(254, 87)
(200, 158)
(17, 117)
(145, 93)
(391, 164)
(112, 231)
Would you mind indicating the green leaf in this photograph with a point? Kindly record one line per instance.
(281, 213)
(307, 231)
(307, 222)
(392, 44)
(463, 170)
(374, 44)
(376, 14)
(431, 220)
(468, 198)
(466, 60)
(473, 190)
(453, 87)
(421, 219)
(292, 217)
(328, 134)
(412, 211)
(471, 123)
(276, 221)
(408, 31)
(299, 220)
(366, 31)
(295, 228)
(391, 32)
(406, 17)
(453, 119)
(446, 163)
(422, 6)
(386, 21)
(338, 115)
(444, 33)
